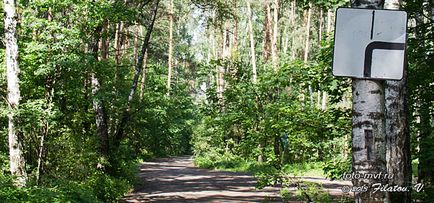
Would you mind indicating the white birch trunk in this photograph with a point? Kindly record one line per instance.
(306, 47)
(368, 135)
(324, 101)
(293, 18)
(252, 42)
(16, 158)
(368, 130)
(143, 78)
(321, 22)
(329, 21)
(169, 62)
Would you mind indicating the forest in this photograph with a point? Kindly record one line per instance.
(92, 88)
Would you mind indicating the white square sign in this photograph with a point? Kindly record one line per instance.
(369, 43)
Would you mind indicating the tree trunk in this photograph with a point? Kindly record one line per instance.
(267, 32)
(104, 42)
(169, 62)
(143, 79)
(293, 19)
(307, 44)
(97, 102)
(49, 92)
(117, 42)
(235, 31)
(16, 159)
(324, 101)
(136, 43)
(126, 114)
(368, 134)
(252, 42)
(329, 21)
(397, 133)
(274, 53)
(321, 20)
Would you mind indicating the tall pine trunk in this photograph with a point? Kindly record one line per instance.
(274, 53)
(267, 32)
(16, 159)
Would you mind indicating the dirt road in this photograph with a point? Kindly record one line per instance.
(177, 180)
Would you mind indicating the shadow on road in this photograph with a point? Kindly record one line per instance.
(177, 180)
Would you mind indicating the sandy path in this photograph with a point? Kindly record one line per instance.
(177, 180)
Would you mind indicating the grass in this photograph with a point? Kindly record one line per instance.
(312, 169)
(236, 164)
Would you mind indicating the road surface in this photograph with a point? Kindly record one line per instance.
(176, 179)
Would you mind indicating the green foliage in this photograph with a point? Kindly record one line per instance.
(56, 117)
(63, 192)
(336, 167)
(304, 190)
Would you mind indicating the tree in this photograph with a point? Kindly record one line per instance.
(169, 61)
(397, 133)
(368, 136)
(97, 101)
(137, 71)
(252, 42)
(16, 159)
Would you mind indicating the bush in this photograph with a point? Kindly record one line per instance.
(335, 168)
(64, 192)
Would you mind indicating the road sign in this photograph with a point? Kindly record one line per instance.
(369, 43)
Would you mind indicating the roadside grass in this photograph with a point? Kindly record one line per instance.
(236, 164)
(311, 169)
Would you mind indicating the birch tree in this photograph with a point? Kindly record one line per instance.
(169, 61)
(252, 41)
(307, 43)
(137, 71)
(368, 132)
(16, 159)
(397, 132)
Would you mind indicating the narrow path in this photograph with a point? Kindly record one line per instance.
(177, 180)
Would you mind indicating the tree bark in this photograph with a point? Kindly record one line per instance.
(397, 133)
(293, 19)
(307, 44)
(320, 27)
(117, 42)
(16, 159)
(235, 31)
(267, 32)
(169, 62)
(368, 134)
(252, 42)
(136, 43)
(143, 79)
(329, 21)
(274, 53)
